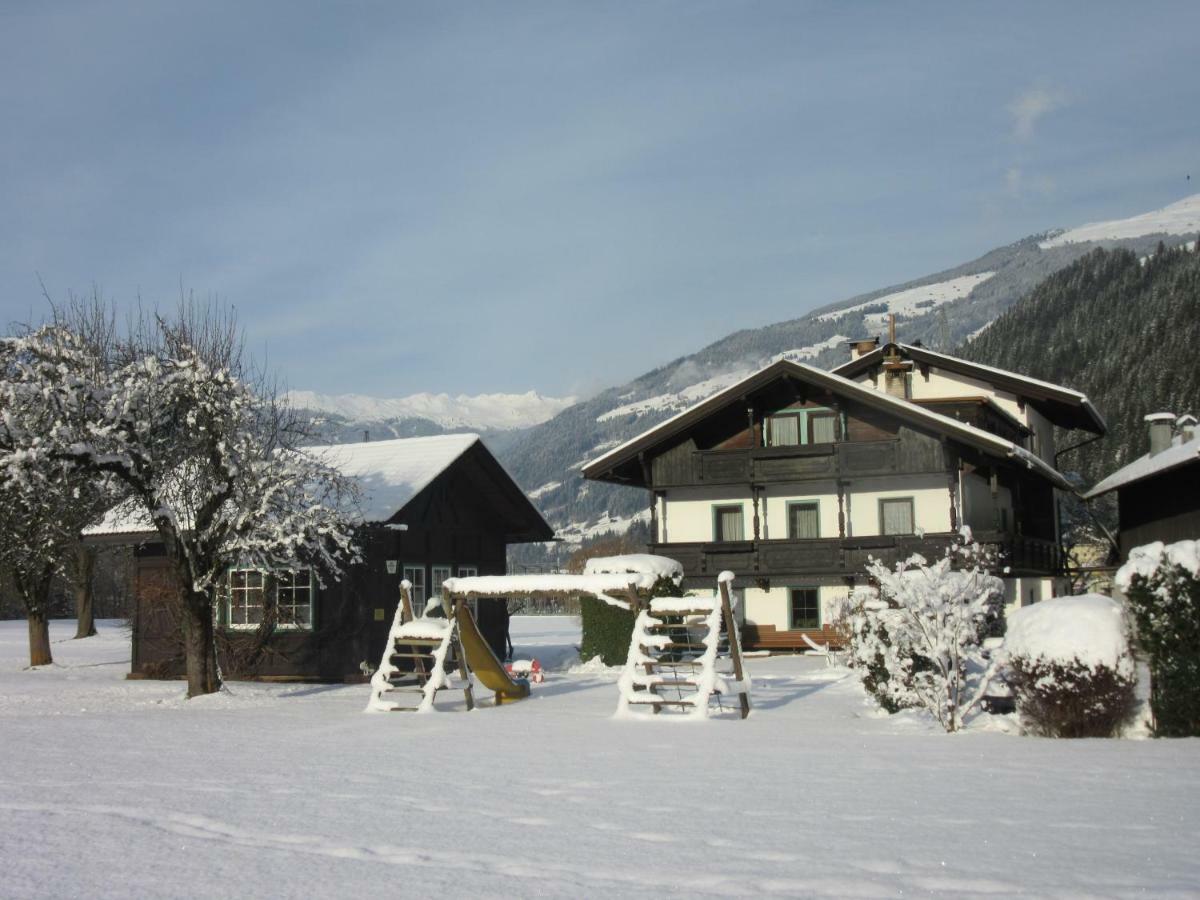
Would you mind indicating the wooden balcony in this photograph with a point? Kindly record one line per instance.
(848, 556)
(809, 462)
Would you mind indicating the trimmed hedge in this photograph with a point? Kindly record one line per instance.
(607, 631)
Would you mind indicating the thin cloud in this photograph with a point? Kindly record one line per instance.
(1030, 107)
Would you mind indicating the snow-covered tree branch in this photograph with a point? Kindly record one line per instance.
(203, 451)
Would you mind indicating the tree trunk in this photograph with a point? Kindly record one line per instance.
(200, 647)
(39, 639)
(85, 565)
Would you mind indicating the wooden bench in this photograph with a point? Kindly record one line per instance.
(768, 637)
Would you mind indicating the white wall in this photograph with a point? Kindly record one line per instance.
(689, 511)
(773, 607)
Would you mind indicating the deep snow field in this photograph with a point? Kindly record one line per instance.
(115, 788)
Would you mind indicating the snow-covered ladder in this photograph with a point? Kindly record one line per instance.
(415, 661)
(669, 670)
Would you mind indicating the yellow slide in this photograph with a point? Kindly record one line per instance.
(482, 661)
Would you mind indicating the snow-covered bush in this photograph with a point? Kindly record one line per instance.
(917, 640)
(1070, 668)
(1162, 585)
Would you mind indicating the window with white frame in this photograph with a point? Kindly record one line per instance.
(289, 592)
(415, 575)
(438, 576)
(896, 515)
(468, 571)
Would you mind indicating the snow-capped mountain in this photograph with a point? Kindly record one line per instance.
(482, 412)
(943, 310)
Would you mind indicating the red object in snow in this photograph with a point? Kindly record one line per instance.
(532, 670)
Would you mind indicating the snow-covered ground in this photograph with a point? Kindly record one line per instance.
(1181, 217)
(482, 411)
(916, 301)
(114, 788)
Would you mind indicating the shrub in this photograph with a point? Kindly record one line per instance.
(918, 642)
(1070, 699)
(607, 631)
(1069, 666)
(1162, 584)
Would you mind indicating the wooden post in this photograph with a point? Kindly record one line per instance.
(735, 645)
(406, 607)
(653, 517)
(754, 500)
(457, 646)
(841, 489)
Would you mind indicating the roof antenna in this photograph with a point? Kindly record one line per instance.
(891, 328)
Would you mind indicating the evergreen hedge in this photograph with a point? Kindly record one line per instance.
(1166, 608)
(607, 631)
(1071, 699)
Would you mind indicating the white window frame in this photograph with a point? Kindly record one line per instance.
(436, 582)
(260, 588)
(415, 575)
(468, 571)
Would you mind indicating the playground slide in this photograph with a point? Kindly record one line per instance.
(482, 661)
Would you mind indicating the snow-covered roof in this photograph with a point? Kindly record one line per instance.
(903, 409)
(1179, 453)
(1009, 380)
(389, 474)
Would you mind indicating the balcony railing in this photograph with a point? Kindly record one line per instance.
(849, 556)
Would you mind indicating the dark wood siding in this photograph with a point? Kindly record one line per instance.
(1163, 508)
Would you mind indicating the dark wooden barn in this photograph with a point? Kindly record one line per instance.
(1158, 495)
(432, 507)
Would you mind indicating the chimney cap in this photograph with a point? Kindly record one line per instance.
(1160, 417)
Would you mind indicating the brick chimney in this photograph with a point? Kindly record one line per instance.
(1161, 426)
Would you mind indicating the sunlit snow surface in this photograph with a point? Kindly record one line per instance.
(1181, 217)
(114, 788)
(917, 301)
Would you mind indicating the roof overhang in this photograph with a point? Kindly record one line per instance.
(1062, 406)
(603, 468)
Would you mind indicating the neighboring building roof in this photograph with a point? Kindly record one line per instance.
(389, 474)
(878, 400)
(1180, 453)
(1062, 406)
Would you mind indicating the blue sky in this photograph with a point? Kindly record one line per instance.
(401, 197)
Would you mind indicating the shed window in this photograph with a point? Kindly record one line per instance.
(468, 571)
(804, 521)
(248, 597)
(806, 608)
(440, 574)
(727, 523)
(415, 575)
(896, 516)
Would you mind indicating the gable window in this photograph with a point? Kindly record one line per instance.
(249, 596)
(821, 428)
(415, 575)
(783, 431)
(804, 521)
(896, 516)
(805, 608)
(727, 523)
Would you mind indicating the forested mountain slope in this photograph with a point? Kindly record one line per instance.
(1122, 329)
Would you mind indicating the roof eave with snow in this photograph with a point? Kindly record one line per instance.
(968, 434)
